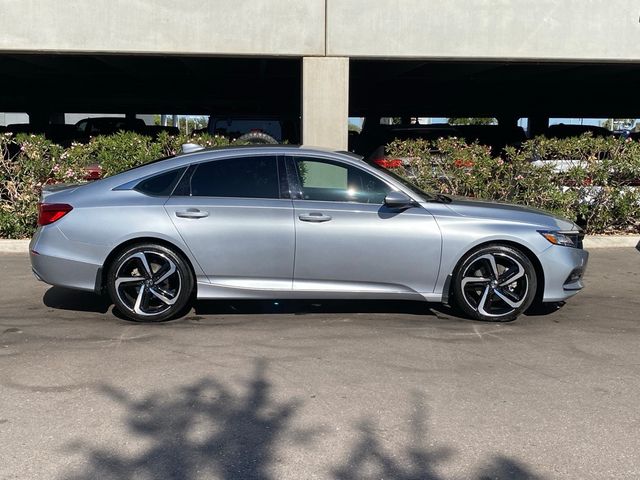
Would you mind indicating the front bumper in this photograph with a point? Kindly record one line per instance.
(564, 269)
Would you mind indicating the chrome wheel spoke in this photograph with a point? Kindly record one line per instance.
(492, 263)
(171, 270)
(473, 280)
(139, 301)
(483, 301)
(509, 276)
(121, 280)
(145, 263)
(163, 296)
(505, 298)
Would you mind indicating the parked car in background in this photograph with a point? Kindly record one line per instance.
(62, 134)
(290, 222)
(562, 130)
(374, 137)
(95, 126)
(255, 129)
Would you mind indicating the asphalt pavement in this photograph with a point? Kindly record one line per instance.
(320, 390)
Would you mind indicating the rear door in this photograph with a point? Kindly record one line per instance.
(347, 240)
(236, 218)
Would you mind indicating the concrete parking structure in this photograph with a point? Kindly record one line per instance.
(318, 59)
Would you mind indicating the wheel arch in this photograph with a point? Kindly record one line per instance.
(540, 280)
(102, 272)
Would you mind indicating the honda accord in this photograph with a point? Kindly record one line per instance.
(267, 222)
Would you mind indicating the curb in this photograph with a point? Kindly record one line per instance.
(14, 246)
(611, 241)
(595, 241)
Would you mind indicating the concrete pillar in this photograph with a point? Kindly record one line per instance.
(325, 102)
(538, 124)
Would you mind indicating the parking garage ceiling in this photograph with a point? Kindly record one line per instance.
(225, 85)
(148, 84)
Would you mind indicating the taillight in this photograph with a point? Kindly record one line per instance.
(93, 172)
(388, 162)
(52, 212)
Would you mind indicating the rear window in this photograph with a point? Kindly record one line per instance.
(241, 177)
(162, 184)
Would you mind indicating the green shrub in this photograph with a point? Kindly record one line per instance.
(29, 162)
(593, 189)
(596, 189)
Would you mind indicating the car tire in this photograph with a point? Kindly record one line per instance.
(494, 283)
(150, 283)
(257, 138)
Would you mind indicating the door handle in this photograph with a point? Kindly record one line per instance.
(191, 213)
(316, 217)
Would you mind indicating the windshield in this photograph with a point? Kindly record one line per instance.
(426, 196)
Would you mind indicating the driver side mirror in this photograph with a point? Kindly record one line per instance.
(398, 199)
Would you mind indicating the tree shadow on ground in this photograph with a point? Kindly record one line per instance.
(209, 431)
(203, 430)
(370, 459)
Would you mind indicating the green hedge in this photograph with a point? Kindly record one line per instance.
(596, 190)
(29, 162)
(596, 187)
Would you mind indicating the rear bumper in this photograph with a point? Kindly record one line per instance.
(564, 270)
(52, 262)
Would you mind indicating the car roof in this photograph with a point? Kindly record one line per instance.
(267, 148)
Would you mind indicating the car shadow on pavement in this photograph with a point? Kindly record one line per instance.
(303, 307)
(206, 429)
(67, 299)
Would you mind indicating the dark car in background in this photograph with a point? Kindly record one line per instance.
(255, 129)
(372, 141)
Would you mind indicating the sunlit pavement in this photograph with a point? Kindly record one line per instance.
(337, 390)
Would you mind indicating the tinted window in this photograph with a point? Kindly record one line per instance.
(162, 184)
(248, 177)
(334, 182)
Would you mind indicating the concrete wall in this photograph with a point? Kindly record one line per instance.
(240, 27)
(504, 29)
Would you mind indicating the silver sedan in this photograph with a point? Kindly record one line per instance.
(289, 222)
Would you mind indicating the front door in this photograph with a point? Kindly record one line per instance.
(347, 240)
(231, 214)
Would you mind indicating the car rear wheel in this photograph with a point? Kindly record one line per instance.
(150, 283)
(495, 283)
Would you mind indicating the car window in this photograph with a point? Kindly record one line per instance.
(329, 181)
(162, 184)
(82, 126)
(246, 177)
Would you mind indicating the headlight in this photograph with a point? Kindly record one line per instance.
(558, 238)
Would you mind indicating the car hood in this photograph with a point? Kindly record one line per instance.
(471, 207)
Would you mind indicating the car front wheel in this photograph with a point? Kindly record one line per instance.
(495, 283)
(150, 283)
